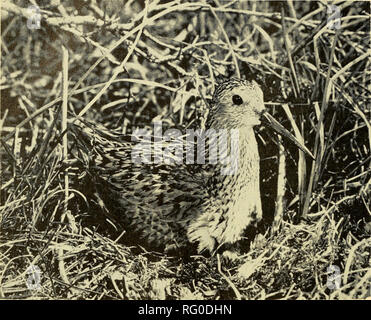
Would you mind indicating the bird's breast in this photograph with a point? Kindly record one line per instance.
(234, 202)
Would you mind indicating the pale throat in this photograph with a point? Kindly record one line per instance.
(239, 174)
(247, 174)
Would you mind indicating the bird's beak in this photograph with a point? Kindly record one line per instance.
(275, 125)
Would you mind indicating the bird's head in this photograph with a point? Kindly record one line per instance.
(236, 104)
(239, 104)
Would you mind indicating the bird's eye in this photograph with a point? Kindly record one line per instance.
(237, 99)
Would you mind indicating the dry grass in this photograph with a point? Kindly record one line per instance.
(123, 65)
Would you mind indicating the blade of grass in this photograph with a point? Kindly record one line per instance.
(319, 148)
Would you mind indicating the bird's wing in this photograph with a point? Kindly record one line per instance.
(129, 166)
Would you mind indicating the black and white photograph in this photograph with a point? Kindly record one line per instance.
(200, 152)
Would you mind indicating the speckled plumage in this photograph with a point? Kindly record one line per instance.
(170, 205)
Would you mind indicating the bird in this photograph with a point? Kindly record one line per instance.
(169, 203)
